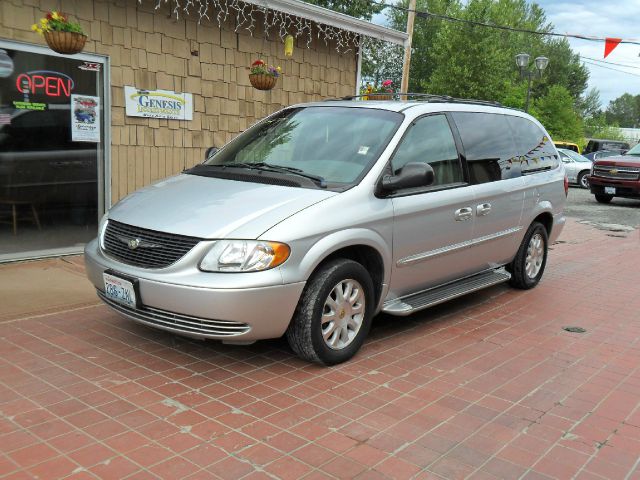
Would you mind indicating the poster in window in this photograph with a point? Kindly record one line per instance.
(85, 118)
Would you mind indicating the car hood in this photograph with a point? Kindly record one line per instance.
(619, 161)
(211, 208)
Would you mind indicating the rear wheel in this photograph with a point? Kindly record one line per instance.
(601, 198)
(583, 180)
(334, 313)
(528, 265)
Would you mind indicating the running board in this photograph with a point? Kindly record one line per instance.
(428, 298)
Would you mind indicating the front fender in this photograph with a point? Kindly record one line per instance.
(325, 246)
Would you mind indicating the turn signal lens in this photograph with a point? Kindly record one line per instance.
(566, 185)
(244, 256)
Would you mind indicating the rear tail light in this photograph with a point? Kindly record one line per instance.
(566, 185)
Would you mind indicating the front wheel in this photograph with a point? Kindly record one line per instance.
(601, 198)
(583, 180)
(528, 265)
(334, 313)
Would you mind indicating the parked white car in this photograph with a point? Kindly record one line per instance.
(577, 167)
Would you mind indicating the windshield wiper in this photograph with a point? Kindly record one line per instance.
(268, 167)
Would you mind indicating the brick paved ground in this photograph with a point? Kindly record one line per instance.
(487, 387)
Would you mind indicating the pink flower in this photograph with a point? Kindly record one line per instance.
(386, 83)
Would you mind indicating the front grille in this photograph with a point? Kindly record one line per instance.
(177, 322)
(155, 249)
(618, 173)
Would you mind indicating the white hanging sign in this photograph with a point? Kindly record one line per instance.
(85, 118)
(158, 104)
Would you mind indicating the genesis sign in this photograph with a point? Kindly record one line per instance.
(158, 104)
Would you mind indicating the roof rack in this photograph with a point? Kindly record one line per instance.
(426, 97)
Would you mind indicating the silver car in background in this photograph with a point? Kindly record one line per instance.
(577, 167)
(324, 214)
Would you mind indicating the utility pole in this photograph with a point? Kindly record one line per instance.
(407, 48)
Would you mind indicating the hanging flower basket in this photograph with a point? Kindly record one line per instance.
(61, 35)
(67, 43)
(262, 81)
(263, 76)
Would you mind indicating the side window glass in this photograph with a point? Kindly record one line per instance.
(535, 151)
(429, 140)
(488, 146)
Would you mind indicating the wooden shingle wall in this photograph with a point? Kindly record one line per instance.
(150, 49)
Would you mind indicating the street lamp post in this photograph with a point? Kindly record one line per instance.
(522, 60)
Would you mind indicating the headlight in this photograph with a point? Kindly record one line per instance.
(102, 226)
(244, 256)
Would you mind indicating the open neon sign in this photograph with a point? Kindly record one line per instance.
(47, 82)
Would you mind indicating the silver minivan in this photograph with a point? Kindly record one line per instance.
(324, 214)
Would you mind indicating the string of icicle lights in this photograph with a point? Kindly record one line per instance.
(274, 22)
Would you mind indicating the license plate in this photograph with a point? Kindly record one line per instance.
(610, 190)
(119, 290)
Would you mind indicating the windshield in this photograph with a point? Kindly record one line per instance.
(336, 144)
(574, 156)
(634, 151)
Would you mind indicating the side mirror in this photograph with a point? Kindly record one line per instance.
(412, 175)
(211, 151)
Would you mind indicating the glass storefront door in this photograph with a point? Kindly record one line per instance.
(51, 152)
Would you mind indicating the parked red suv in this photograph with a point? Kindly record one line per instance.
(617, 176)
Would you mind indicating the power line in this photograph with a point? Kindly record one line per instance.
(426, 14)
(609, 68)
(611, 63)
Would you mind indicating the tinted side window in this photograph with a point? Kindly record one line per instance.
(430, 140)
(488, 146)
(535, 151)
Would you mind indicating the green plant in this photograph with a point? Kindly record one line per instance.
(259, 67)
(56, 22)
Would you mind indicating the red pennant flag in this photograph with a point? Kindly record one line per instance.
(610, 44)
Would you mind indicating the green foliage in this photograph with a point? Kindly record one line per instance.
(382, 61)
(424, 32)
(599, 127)
(555, 110)
(356, 8)
(624, 111)
(590, 104)
(479, 62)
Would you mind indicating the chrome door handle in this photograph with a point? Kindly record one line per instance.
(483, 209)
(462, 214)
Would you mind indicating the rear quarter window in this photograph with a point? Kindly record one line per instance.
(535, 151)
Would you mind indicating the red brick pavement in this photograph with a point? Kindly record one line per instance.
(485, 387)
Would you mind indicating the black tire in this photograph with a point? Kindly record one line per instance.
(602, 198)
(305, 330)
(582, 177)
(518, 267)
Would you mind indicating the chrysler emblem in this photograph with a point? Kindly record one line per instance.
(134, 243)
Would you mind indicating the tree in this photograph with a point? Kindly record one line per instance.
(382, 61)
(424, 35)
(555, 110)
(590, 104)
(624, 110)
(598, 127)
(355, 8)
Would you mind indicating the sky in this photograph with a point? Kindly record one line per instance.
(598, 18)
(603, 18)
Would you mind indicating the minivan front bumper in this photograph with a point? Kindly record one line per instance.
(234, 315)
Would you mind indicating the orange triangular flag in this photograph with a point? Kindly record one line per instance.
(610, 44)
